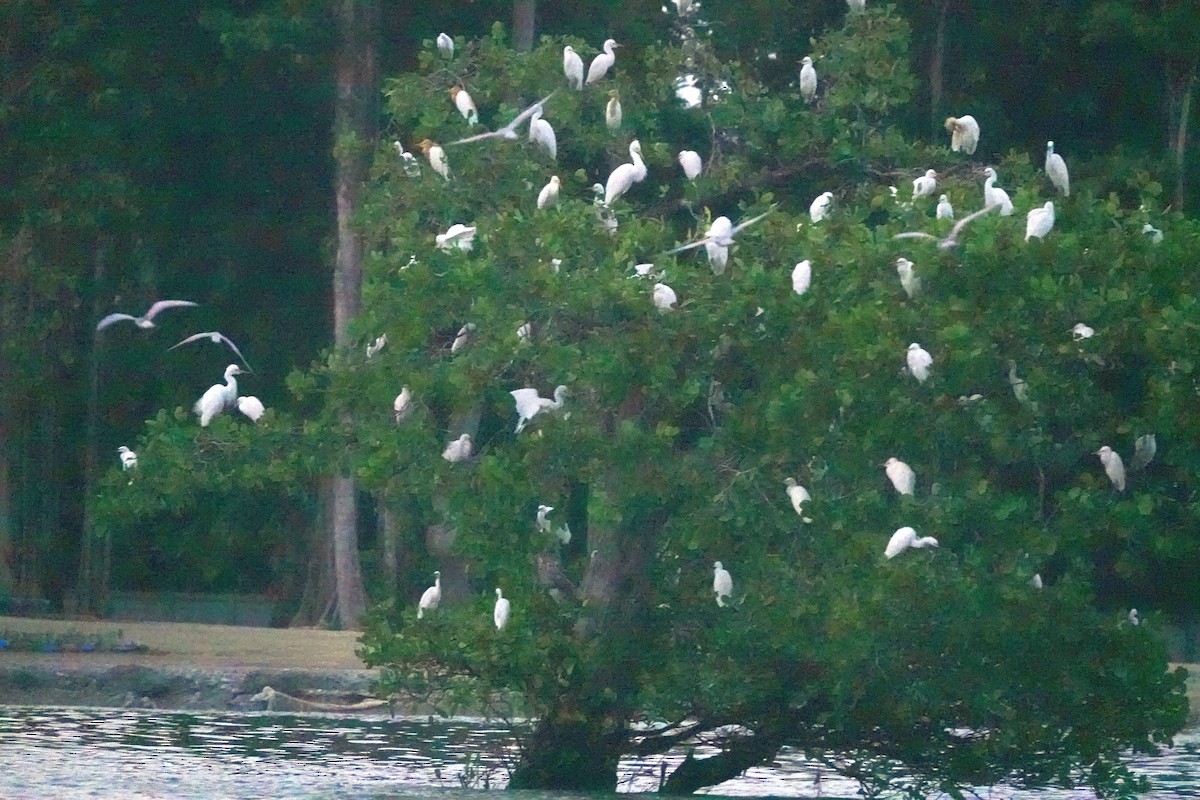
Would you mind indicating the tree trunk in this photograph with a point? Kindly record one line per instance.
(937, 67)
(524, 12)
(347, 571)
(1181, 86)
(318, 597)
(696, 773)
(91, 587)
(389, 546)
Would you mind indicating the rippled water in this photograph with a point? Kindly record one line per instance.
(69, 753)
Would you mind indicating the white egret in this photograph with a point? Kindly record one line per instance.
(808, 80)
(219, 397)
(251, 406)
(411, 168)
(1056, 170)
(1133, 617)
(802, 277)
(501, 611)
(573, 67)
(379, 343)
(563, 534)
(605, 214)
(950, 241)
(436, 156)
(719, 238)
(524, 332)
(1036, 581)
(901, 475)
(548, 196)
(644, 271)
(543, 524)
(1144, 449)
(216, 337)
(463, 337)
(964, 133)
(458, 450)
(925, 185)
(602, 63)
(691, 163)
(722, 583)
(509, 131)
(457, 236)
(799, 496)
(625, 175)
(541, 133)
(688, 92)
(944, 209)
(402, 405)
(1082, 331)
(919, 362)
(664, 297)
(1152, 233)
(147, 319)
(529, 404)
(464, 104)
(820, 207)
(905, 538)
(1114, 468)
(431, 596)
(994, 195)
(1019, 386)
(445, 45)
(612, 112)
(1039, 221)
(857, 5)
(908, 279)
(128, 458)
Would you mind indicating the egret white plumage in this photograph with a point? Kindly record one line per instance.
(465, 104)
(908, 279)
(411, 168)
(548, 196)
(944, 209)
(379, 343)
(458, 450)
(1114, 468)
(529, 404)
(808, 80)
(919, 362)
(456, 237)
(524, 332)
(605, 214)
(1039, 221)
(994, 195)
(688, 92)
(501, 610)
(1133, 618)
(145, 320)
(602, 63)
(1056, 170)
(722, 583)
(964, 133)
(612, 112)
(719, 238)
(543, 524)
(950, 240)
(1144, 449)
(436, 156)
(1082, 331)
(901, 475)
(857, 5)
(216, 337)
(625, 175)
(820, 207)
(1153, 233)
(402, 405)
(509, 131)
(541, 133)
(573, 67)
(799, 496)
(904, 538)
(664, 297)
(445, 45)
(463, 337)
(925, 185)
(691, 163)
(802, 277)
(1036, 581)
(1019, 386)
(431, 597)
(219, 397)
(251, 406)
(128, 458)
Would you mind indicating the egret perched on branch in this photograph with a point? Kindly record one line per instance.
(1114, 468)
(901, 475)
(548, 196)
(602, 63)
(944, 209)
(994, 195)
(128, 458)
(219, 397)
(919, 362)
(1039, 221)
(926, 184)
(500, 612)
(799, 496)
(402, 405)
(463, 337)
(411, 168)
(612, 112)
(950, 241)
(431, 597)
(541, 133)
(573, 67)
(808, 80)
(457, 236)
(216, 337)
(509, 131)
(543, 524)
(1152, 233)
(445, 45)
(908, 279)
(379, 343)
(147, 319)
(691, 163)
(664, 297)
(529, 404)
(1081, 332)
(964, 133)
(905, 538)
(719, 238)
(722, 583)
(802, 277)
(820, 207)
(436, 156)
(458, 450)
(1133, 617)
(1056, 170)
(1144, 449)
(625, 175)
(857, 5)
(464, 104)
(251, 406)
(1019, 386)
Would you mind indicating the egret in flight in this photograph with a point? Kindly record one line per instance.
(964, 133)
(905, 538)
(147, 319)
(431, 597)
(950, 241)
(602, 63)
(719, 238)
(216, 337)
(1056, 170)
(529, 404)
(509, 131)
(219, 397)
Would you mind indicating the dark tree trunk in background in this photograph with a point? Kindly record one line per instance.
(91, 587)
(524, 25)
(1181, 85)
(937, 68)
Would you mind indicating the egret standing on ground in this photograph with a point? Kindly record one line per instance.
(799, 496)
(612, 112)
(820, 207)
(905, 538)
(944, 209)
(530, 404)
(602, 63)
(216, 337)
(500, 612)
(1039, 221)
(691, 163)
(802, 277)
(549, 195)
(147, 319)
(625, 175)
(251, 406)
(808, 80)
(919, 362)
(1114, 468)
(541, 133)
(1056, 170)
(926, 184)
(219, 397)
(431, 597)
(964, 133)
(722, 582)
(901, 475)
(458, 450)
(573, 67)
(994, 195)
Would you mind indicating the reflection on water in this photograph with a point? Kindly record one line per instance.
(69, 753)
